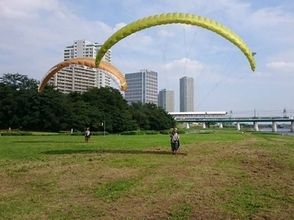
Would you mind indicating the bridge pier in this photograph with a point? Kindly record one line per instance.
(292, 126)
(204, 125)
(238, 126)
(255, 124)
(220, 125)
(274, 126)
(187, 125)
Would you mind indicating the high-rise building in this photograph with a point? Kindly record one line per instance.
(80, 78)
(142, 87)
(166, 100)
(186, 94)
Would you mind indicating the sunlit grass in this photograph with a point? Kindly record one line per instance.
(217, 174)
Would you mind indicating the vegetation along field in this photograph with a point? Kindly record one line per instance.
(216, 175)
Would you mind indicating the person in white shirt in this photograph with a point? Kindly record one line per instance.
(87, 135)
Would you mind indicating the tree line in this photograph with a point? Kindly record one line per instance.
(23, 107)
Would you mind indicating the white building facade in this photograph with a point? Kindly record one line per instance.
(76, 78)
(142, 87)
(166, 100)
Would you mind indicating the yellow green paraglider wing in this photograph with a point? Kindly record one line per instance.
(181, 18)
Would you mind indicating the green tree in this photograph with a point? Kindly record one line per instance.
(53, 112)
(15, 89)
(150, 117)
(8, 106)
(109, 107)
(21, 106)
(18, 82)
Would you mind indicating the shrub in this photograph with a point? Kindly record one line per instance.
(164, 131)
(181, 131)
(151, 132)
(15, 133)
(78, 133)
(137, 132)
(100, 133)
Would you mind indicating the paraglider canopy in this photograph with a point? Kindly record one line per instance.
(181, 18)
(89, 62)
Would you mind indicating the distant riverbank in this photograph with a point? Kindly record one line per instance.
(283, 131)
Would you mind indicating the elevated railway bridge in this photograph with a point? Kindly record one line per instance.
(206, 118)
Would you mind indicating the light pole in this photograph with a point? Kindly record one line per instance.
(103, 124)
(104, 128)
(284, 113)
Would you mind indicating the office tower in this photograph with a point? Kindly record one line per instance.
(80, 78)
(166, 100)
(186, 94)
(142, 87)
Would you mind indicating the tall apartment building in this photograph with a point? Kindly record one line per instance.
(166, 100)
(186, 94)
(142, 87)
(80, 78)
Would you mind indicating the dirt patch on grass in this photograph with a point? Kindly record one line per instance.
(265, 183)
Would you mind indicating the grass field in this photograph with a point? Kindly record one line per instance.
(216, 175)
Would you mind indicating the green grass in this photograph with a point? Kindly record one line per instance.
(32, 147)
(220, 174)
(113, 190)
(180, 211)
(245, 200)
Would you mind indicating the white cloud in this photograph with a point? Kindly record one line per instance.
(270, 28)
(36, 32)
(183, 66)
(281, 66)
(171, 72)
(165, 33)
(119, 26)
(271, 17)
(13, 9)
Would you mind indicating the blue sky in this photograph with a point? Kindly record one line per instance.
(35, 32)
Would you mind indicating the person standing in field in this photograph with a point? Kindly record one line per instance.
(87, 135)
(174, 140)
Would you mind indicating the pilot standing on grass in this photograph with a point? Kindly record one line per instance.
(174, 140)
(87, 135)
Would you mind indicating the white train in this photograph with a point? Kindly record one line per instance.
(190, 115)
